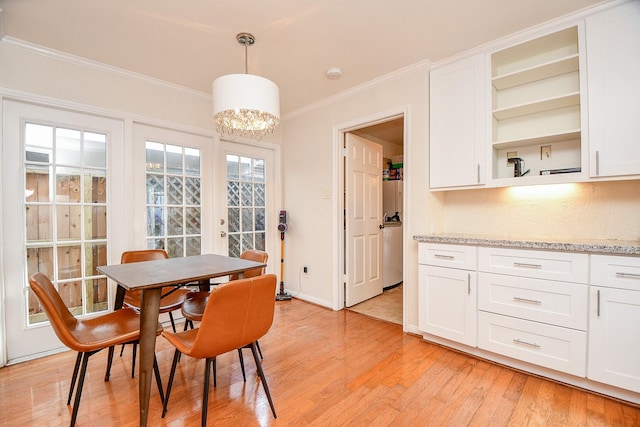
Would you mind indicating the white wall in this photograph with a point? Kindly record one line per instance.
(310, 195)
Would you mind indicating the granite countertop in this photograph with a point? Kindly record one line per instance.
(612, 247)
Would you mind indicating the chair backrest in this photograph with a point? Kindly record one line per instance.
(61, 319)
(252, 255)
(237, 313)
(143, 255)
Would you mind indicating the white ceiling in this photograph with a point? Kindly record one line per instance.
(191, 42)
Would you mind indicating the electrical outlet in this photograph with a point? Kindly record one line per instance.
(545, 152)
(511, 154)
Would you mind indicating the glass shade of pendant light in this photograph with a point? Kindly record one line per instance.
(245, 104)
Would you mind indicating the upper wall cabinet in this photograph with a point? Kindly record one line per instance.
(457, 123)
(536, 98)
(613, 66)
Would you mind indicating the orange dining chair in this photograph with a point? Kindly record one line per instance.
(237, 314)
(87, 336)
(171, 300)
(195, 301)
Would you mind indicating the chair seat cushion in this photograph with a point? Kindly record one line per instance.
(118, 327)
(194, 304)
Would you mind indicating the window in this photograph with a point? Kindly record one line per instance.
(66, 214)
(245, 203)
(173, 190)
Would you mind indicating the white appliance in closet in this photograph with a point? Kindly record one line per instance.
(392, 233)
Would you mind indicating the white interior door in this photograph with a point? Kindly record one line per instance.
(363, 219)
(57, 179)
(246, 200)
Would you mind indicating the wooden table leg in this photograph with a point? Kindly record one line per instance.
(149, 308)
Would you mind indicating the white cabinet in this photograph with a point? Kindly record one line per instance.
(447, 292)
(614, 338)
(457, 123)
(533, 306)
(613, 67)
(536, 98)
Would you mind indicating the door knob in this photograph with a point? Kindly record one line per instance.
(381, 226)
(223, 234)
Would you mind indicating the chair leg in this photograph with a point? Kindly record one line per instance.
(122, 350)
(74, 377)
(215, 374)
(170, 383)
(107, 374)
(256, 357)
(133, 360)
(244, 377)
(173, 323)
(156, 371)
(205, 395)
(259, 351)
(76, 403)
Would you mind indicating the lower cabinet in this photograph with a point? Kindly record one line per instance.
(568, 312)
(447, 291)
(448, 299)
(614, 322)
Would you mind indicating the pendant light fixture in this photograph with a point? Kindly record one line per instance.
(245, 104)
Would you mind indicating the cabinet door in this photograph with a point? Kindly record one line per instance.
(447, 303)
(613, 67)
(457, 123)
(614, 341)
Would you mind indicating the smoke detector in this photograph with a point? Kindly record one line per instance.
(334, 73)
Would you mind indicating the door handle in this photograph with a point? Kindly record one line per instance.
(381, 226)
(223, 234)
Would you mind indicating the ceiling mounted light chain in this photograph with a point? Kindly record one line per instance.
(245, 104)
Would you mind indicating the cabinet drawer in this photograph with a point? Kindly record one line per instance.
(555, 303)
(615, 271)
(564, 266)
(553, 347)
(453, 256)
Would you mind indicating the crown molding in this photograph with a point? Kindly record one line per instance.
(88, 63)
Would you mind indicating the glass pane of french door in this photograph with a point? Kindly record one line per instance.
(61, 216)
(246, 204)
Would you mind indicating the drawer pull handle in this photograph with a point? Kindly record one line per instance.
(469, 283)
(443, 256)
(529, 301)
(628, 275)
(522, 264)
(518, 341)
(598, 303)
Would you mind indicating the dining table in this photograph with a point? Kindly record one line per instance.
(150, 277)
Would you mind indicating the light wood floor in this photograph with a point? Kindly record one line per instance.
(324, 368)
(386, 306)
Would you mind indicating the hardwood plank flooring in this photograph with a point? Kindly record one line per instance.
(324, 368)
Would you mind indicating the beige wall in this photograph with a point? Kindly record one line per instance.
(603, 210)
(312, 192)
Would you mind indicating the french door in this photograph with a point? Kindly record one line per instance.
(59, 214)
(247, 191)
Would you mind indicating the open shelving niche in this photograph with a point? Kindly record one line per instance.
(536, 103)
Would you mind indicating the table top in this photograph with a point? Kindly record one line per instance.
(175, 271)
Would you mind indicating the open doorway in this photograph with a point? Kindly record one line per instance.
(389, 305)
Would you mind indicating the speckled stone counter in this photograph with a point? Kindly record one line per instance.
(612, 247)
